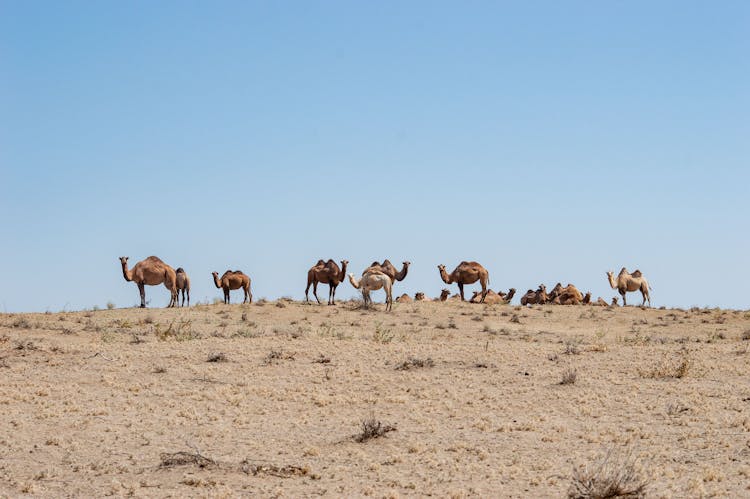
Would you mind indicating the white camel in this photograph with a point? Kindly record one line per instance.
(372, 281)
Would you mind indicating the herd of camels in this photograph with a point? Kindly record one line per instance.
(153, 271)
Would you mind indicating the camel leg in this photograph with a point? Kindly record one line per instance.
(624, 303)
(484, 291)
(249, 294)
(332, 290)
(142, 291)
(226, 297)
(188, 295)
(461, 289)
(315, 292)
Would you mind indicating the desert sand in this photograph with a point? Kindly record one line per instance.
(268, 399)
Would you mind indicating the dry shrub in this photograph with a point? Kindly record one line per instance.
(372, 428)
(670, 367)
(217, 357)
(273, 470)
(169, 459)
(569, 376)
(571, 348)
(278, 355)
(413, 362)
(609, 477)
(322, 359)
(746, 335)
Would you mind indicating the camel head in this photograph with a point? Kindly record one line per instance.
(124, 260)
(623, 271)
(215, 274)
(344, 263)
(406, 263)
(441, 267)
(610, 274)
(419, 296)
(542, 287)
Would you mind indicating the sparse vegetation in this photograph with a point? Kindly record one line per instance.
(413, 362)
(372, 428)
(612, 476)
(217, 357)
(382, 334)
(569, 376)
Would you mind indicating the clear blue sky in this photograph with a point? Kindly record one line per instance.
(550, 141)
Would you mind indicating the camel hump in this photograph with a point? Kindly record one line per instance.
(155, 259)
(320, 262)
(180, 270)
(237, 272)
(637, 273)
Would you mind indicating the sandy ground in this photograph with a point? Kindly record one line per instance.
(98, 403)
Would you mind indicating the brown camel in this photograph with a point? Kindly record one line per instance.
(614, 302)
(419, 296)
(600, 303)
(444, 294)
(152, 271)
(232, 280)
(466, 273)
(627, 282)
(388, 269)
(535, 297)
(183, 285)
(404, 298)
(373, 281)
(568, 295)
(493, 298)
(587, 298)
(326, 273)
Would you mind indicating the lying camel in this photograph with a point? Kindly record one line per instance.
(444, 294)
(587, 298)
(535, 297)
(404, 298)
(600, 302)
(373, 281)
(568, 295)
(493, 298)
(627, 282)
(419, 296)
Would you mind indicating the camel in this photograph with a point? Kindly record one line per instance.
(232, 280)
(587, 298)
(183, 284)
(404, 298)
(419, 296)
(535, 297)
(466, 273)
(568, 295)
(388, 269)
(614, 302)
(326, 273)
(627, 282)
(444, 294)
(152, 271)
(493, 298)
(373, 281)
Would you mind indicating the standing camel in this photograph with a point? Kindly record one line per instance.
(152, 271)
(372, 281)
(326, 273)
(183, 284)
(627, 282)
(467, 273)
(388, 269)
(231, 281)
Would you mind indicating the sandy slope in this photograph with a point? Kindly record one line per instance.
(91, 400)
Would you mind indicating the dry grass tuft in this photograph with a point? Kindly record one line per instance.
(670, 367)
(273, 470)
(170, 459)
(274, 355)
(413, 362)
(609, 477)
(569, 376)
(217, 357)
(372, 428)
